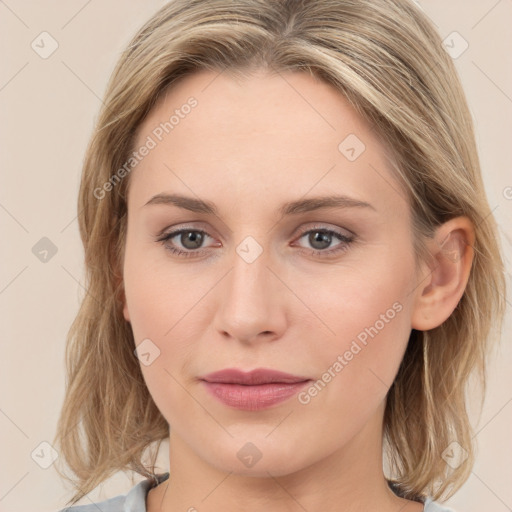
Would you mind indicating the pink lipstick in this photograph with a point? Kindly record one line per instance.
(253, 390)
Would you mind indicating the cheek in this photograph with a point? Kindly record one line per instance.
(368, 312)
(159, 304)
(167, 315)
(351, 299)
(158, 294)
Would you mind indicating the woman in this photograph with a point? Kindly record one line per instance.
(293, 270)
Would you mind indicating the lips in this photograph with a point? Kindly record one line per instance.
(254, 390)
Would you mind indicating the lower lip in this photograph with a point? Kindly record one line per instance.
(253, 398)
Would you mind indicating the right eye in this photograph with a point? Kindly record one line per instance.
(189, 239)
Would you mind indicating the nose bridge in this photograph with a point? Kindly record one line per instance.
(250, 302)
(249, 287)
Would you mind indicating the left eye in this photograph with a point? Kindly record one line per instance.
(321, 239)
(191, 240)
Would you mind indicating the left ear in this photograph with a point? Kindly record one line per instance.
(452, 254)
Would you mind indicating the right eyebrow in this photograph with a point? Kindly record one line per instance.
(185, 202)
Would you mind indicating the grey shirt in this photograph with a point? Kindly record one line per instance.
(135, 500)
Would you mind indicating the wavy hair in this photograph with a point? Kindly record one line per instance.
(387, 59)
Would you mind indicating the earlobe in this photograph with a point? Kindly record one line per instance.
(444, 281)
(126, 313)
(121, 297)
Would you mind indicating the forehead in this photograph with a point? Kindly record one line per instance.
(261, 136)
(285, 104)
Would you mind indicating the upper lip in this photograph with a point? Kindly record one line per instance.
(253, 377)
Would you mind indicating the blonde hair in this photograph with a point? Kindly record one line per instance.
(386, 58)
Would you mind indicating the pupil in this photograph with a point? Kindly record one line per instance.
(318, 237)
(191, 239)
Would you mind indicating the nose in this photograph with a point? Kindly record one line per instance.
(252, 302)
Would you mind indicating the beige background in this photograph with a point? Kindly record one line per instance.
(48, 107)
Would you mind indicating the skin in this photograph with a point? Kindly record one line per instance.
(248, 147)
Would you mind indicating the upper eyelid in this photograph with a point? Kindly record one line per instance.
(326, 227)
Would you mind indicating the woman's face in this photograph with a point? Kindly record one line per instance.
(296, 255)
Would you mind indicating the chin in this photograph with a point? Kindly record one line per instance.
(257, 458)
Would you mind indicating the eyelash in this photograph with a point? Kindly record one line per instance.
(340, 248)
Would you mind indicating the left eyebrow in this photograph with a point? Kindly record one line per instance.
(316, 203)
(289, 208)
